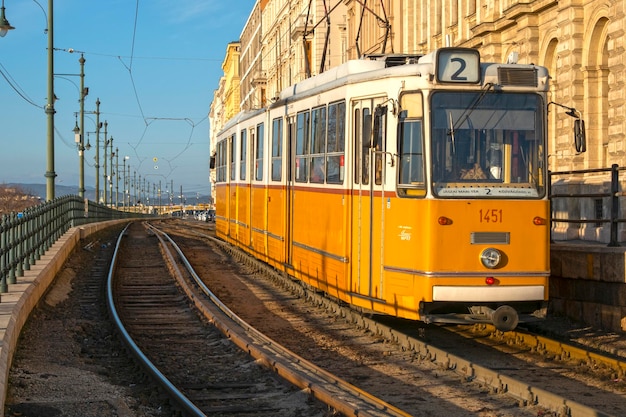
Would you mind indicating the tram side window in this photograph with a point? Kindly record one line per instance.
(302, 146)
(336, 144)
(318, 144)
(233, 157)
(277, 148)
(410, 146)
(242, 155)
(357, 146)
(411, 154)
(380, 129)
(220, 174)
(366, 138)
(259, 153)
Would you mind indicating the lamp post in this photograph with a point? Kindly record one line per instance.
(50, 174)
(105, 177)
(81, 138)
(124, 182)
(111, 176)
(117, 177)
(5, 26)
(97, 197)
(49, 109)
(78, 141)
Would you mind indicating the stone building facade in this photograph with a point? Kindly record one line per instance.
(581, 42)
(299, 41)
(226, 98)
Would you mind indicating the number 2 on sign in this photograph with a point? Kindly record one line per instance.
(491, 216)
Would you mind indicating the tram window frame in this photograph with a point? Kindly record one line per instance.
(379, 144)
(303, 119)
(220, 175)
(357, 145)
(336, 142)
(243, 141)
(258, 175)
(411, 159)
(232, 145)
(502, 155)
(318, 145)
(277, 149)
(366, 143)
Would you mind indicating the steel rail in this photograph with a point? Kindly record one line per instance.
(161, 379)
(526, 393)
(326, 387)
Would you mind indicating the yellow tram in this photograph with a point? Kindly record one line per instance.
(413, 186)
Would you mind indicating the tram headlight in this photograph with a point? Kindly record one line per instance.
(491, 258)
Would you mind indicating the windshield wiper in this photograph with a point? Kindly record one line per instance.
(451, 132)
(468, 111)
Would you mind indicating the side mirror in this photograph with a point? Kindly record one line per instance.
(580, 140)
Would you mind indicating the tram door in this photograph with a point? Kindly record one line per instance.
(369, 128)
(247, 217)
(290, 157)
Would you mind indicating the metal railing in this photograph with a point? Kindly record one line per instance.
(608, 196)
(27, 235)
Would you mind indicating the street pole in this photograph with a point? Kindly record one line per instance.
(50, 174)
(128, 186)
(104, 177)
(81, 144)
(97, 197)
(124, 183)
(111, 175)
(117, 176)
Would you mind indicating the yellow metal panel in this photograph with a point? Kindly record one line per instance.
(320, 239)
(276, 222)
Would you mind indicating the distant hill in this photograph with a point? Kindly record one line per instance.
(39, 190)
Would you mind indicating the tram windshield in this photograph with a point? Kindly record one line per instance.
(487, 145)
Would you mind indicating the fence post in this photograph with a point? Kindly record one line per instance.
(4, 254)
(614, 205)
(11, 247)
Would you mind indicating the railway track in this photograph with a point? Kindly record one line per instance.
(407, 364)
(195, 362)
(561, 382)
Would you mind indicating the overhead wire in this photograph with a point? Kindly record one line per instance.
(148, 120)
(15, 86)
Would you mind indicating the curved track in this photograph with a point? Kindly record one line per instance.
(195, 363)
(534, 375)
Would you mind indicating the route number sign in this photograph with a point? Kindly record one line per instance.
(458, 65)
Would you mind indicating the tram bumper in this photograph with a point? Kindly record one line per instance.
(504, 308)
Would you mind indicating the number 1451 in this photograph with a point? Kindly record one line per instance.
(491, 216)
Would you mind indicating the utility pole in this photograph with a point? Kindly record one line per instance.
(97, 197)
(111, 176)
(106, 143)
(117, 176)
(81, 143)
(50, 174)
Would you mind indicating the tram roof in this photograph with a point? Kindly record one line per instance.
(333, 77)
(239, 117)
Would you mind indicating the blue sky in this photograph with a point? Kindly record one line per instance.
(154, 66)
